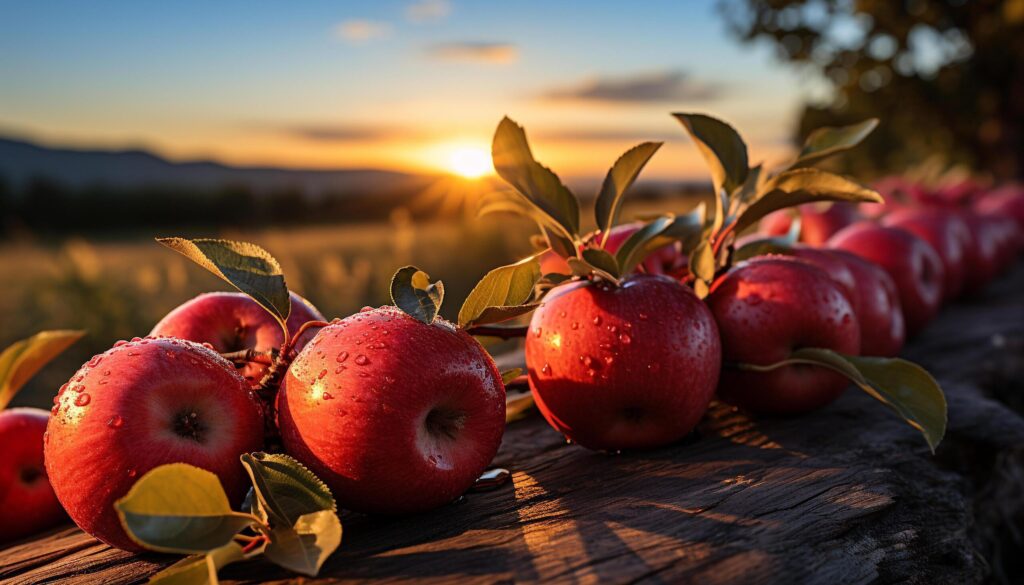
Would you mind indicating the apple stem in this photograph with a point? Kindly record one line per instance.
(507, 332)
(290, 345)
(250, 356)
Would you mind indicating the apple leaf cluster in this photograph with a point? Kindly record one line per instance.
(290, 518)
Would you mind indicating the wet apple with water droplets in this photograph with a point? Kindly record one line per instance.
(766, 308)
(623, 367)
(142, 404)
(394, 414)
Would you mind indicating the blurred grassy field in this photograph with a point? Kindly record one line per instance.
(119, 286)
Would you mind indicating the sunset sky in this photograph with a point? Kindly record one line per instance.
(413, 85)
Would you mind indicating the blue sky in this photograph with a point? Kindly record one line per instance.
(385, 84)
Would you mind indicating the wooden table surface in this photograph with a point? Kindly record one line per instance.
(847, 495)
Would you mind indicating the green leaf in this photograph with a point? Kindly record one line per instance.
(749, 190)
(23, 359)
(179, 508)
(501, 294)
(602, 260)
(825, 142)
(199, 569)
(903, 386)
(702, 262)
(304, 547)
(620, 177)
(286, 489)
(508, 375)
(558, 243)
(722, 147)
(514, 163)
(800, 186)
(412, 292)
(245, 266)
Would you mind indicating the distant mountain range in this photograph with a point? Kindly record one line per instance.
(22, 161)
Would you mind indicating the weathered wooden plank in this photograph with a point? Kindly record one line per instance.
(849, 495)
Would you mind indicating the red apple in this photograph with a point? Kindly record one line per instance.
(947, 233)
(395, 415)
(913, 264)
(832, 265)
(232, 322)
(983, 255)
(143, 404)
(877, 305)
(1007, 201)
(27, 503)
(766, 308)
(817, 221)
(626, 367)
(1004, 229)
(666, 260)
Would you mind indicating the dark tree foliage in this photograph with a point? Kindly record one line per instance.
(945, 77)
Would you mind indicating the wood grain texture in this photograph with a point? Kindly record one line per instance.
(849, 495)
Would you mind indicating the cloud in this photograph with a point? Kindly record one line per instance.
(661, 86)
(475, 52)
(338, 132)
(358, 31)
(428, 10)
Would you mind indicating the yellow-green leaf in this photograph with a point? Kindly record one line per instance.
(801, 186)
(514, 163)
(824, 142)
(286, 489)
(620, 177)
(305, 547)
(505, 289)
(722, 148)
(415, 295)
(903, 386)
(23, 359)
(243, 265)
(179, 508)
(199, 569)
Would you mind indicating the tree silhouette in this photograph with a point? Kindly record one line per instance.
(945, 77)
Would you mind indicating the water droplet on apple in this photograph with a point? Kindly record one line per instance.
(342, 356)
(83, 399)
(132, 473)
(115, 422)
(136, 339)
(46, 437)
(653, 367)
(536, 332)
(609, 359)
(591, 372)
(56, 407)
(625, 339)
(597, 320)
(95, 361)
(362, 360)
(389, 380)
(366, 309)
(119, 343)
(339, 369)
(575, 325)
(642, 316)
(321, 375)
(613, 329)
(546, 369)
(587, 361)
(364, 375)
(327, 396)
